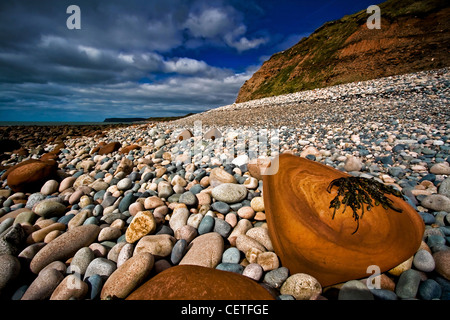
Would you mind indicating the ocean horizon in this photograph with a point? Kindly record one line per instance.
(60, 123)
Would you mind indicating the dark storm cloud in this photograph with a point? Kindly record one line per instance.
(122, 56)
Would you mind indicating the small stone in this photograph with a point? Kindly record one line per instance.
(164, 189)
(95, 283)
(126, 252)
(222, 227)
(251, 183)
(219, 176)
(143, 223)
(429, 290)
(153, 202)
(355, 290)
(352, 164)
(261, 235)
(442, 261)
(179, 217)
(257, 204)
(101, 266)
(51, 186)
(245, 243)
(81, 260)
(230, 267)
(83, 180)
(178, 251)
(71, 287)
(125, 184)
(268, 261)
(229, 192)
(246, 212)
(220, 207)
(424, 261)
(206, 250)
(241, 228)
(128, 276)
(442, 168)
(159, 245)
(9, 270)
(48, 209)
(444, 187)
(301, 286)
(206, 225)
(109, 233)
(65, 246)
(436, 202)
(253, 271)
(408, 284)
(231, 255)
(402, 267)
(186, 232)
(188, 198)
(11, 240)
(276, 277)
(44, 285)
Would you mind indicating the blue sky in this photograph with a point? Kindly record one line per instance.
(142, 58)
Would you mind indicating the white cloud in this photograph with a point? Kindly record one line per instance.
(185, 66)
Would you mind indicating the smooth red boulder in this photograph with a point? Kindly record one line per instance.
(109, 148)
(307, 238)
(30, 175)
(189, 282)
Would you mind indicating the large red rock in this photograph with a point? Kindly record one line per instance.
(308, 240)
(189, 282)
(30, 175)
(109, 148)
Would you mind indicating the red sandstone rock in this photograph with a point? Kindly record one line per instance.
(30, 175)
(188, 282)
(110, 147)
(308, 240)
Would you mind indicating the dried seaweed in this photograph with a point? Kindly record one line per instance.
(357, 192)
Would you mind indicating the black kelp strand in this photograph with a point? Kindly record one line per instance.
(357, 192)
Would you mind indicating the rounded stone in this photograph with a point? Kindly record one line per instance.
(143, 223)
(261, 235)
(246, 212)
(231, 255)
(128, 276)
(424, 261)
(229, 192)
(44, 285)
(71, 287)
(268, 261)
(125, 184)
(219, 176)
(206, 225)
(257, 203)
(253, 271)
(153, 202)
(442, 261)
(222, 227)
(125, 253)
(408, 284)
(245, 243)
(355, 290)
(231, 267)
(109, 233)
(276, 277)
(429, 290)
(30, 175)
(436, 202)
(188, 198)
(65, 246)
(50, 187)
(48, 209)
(9, 270)
(202, 284)
(206, 250)
(178, 251)
(81, 260)
(301, 286)
(159, 245)
(101, 266)
(179, 217)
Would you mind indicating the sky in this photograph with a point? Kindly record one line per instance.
(142, 58)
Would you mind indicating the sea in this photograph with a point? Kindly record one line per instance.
(59, 123)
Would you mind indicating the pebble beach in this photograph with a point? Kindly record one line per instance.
(123, 203)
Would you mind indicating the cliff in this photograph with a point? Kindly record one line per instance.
(414, 36)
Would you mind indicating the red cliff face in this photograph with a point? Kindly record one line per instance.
(414, 36)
